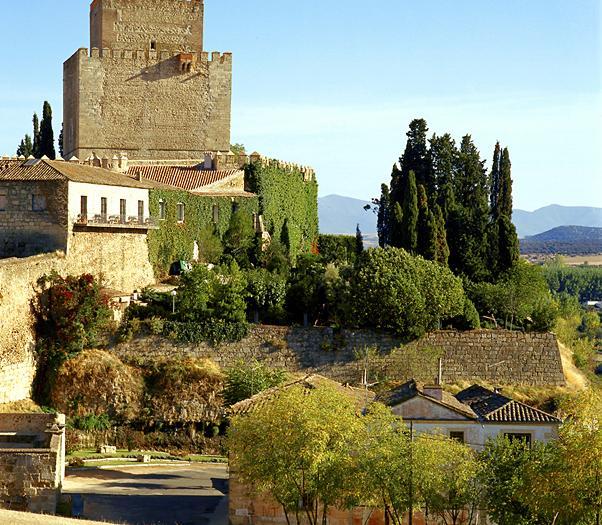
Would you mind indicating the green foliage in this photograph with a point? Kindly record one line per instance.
(266, 295)
(504, 464)
(443, 206)
(520, 299)
(469, 320)
(90, 422)
(210, 305)
(70, 312)
(25, 149)
(46, 146)
(584, 282)
(239, 237)
(409, 295)
(337, 249)
(306, 295)
(210, 245)
(174, 240)
(297, 448)
(285, 197)
(244, 380)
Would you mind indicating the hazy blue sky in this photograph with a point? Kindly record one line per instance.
(334, 84)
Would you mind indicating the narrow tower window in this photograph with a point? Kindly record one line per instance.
(153, 45)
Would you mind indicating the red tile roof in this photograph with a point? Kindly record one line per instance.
(494, 407)
(188, 178)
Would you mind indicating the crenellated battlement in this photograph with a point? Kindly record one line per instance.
(150, 56)
(230, 160)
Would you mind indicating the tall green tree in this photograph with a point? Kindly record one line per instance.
(469, 218)
(416, 158)
(409, 223)
(46, 145)
(442, 252)
(494, 182)
(25, 149)
(383, 224)
(36, 136)
(359, 241)
(427, 227)
(504, 202)
(444, 161)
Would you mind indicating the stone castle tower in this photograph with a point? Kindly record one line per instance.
(146, 87)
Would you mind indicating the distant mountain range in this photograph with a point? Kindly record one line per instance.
(545, 219)
(340, 214)
(565, 240)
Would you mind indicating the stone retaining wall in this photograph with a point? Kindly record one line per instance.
(500, 356)
(30, 478)
(120, 259)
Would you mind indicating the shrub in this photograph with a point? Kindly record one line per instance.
(97, 383)
(70, 312)
(338, 249)
(244, 380)
(266, 294)
(469, 320)
(395, 291)
(185, 391)
(519, 299)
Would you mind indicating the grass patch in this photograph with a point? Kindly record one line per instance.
(91, 456)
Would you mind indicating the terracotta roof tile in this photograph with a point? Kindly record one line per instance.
(494, 407)
(188, 178)
(48, 170)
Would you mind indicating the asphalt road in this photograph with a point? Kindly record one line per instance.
(193, 494)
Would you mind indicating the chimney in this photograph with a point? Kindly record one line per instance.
(105, 163)
(433, 391)
(139, 176)
(208, 164)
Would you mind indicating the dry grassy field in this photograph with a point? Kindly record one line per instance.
(577, 260)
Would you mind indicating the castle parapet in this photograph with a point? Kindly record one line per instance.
(151, 56)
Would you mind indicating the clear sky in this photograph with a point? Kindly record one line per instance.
(334, 84)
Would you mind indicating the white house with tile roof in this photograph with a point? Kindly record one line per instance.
(473, 416)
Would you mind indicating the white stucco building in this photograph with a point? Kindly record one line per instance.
(473, 416)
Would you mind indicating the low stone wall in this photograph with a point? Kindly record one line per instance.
(32, 472)
(500, 356)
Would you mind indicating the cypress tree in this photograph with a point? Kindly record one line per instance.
(60, 141)
(442, 248)
(443, 154)
(469, 218)
(26, 147)
(504, 204)
(409, 223)
(359, 241)
(36, 137)
(509, 249)
(384, 220)
(494, 183)
(416, 157)
(47, 133)
(396, 231)
(427, 228)
(508, 244)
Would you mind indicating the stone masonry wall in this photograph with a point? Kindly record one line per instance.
(32, 461)
(28, 232)
(502, 357)
(121, 259)
(148, 104)
(173, 25)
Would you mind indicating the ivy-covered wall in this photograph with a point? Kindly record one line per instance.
(285, 197)
(174, 240)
